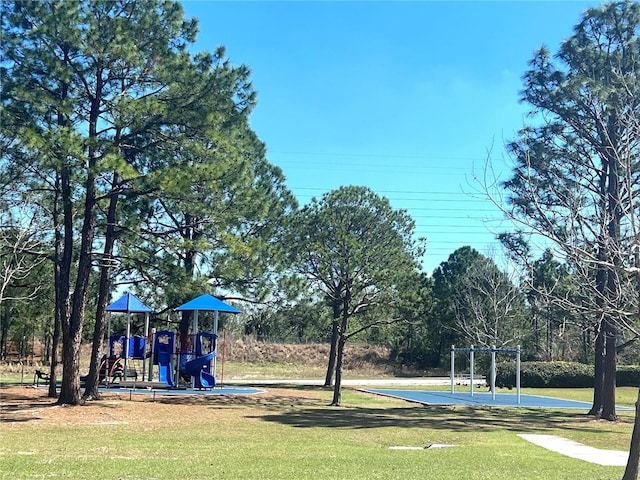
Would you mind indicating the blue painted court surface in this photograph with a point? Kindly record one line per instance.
(428, 397)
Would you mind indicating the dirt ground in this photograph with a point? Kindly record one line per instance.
(20, 404)
(27, 403)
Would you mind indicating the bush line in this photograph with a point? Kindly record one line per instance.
(560, 374)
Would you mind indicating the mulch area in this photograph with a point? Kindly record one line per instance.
(28, 404)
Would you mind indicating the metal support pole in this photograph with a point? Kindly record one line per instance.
(146, 344)
(215, 331)
(453, 367)
(493, 372)
(224, 348)
(195, 342)
(471, 360)
(106, 363)
(152, 352)
(126, 345)
(176, 358)
(195, 323)
(518, 374)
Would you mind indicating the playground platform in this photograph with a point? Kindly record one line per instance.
(136, 384)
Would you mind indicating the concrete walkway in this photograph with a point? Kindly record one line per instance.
(564, 446)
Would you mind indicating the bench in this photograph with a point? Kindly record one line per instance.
(132, 374)
(40, 375)
(465, 379)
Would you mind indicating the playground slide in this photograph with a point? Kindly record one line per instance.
(165, 373)
(194, 368)
(207, 380)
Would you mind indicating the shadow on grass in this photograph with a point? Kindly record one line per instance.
(14, 406)
(18, 407)
(307, 407)
(446, 418)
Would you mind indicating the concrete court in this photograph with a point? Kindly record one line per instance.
(427, 397)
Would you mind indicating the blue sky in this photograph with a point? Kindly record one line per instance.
(407, 98)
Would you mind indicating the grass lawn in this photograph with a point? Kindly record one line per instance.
(292, 433)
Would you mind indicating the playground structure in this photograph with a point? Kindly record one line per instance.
(183, 356)
(493, 350)
(110, 370)
(189, 357)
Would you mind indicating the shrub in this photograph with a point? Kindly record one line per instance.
(628, 376)
(545, 374)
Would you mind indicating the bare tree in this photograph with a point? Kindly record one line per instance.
(489, 306)
(575, 173)
(577, 176)
(20, 253)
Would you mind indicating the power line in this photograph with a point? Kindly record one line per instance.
(413, 192)
(380, 155)
(448, 219)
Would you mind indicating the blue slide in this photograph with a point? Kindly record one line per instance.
(163, 346)
(199, 368)
(165, 372)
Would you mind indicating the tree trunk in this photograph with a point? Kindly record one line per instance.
(598, 385)
(93, 378)
(64, 245)
(336, 307)
(72, 329)
(4, 332)
(53, 366)
(331, 365)
(62, 269)
(342, 340)
(337, 387)
(631, 470)
(549, 352)
(536, 332)
(45, 353)
(599, 347)
(92, 381)
(186, 317)
(612, 285)
(586, 341)
(610, 360)
(70, 388)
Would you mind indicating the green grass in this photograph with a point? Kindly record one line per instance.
(296, 435)
(625, 396)
(16, 378)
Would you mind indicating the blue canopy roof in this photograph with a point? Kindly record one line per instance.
(208, 302)
(128, 303)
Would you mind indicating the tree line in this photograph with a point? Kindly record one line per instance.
(128, 161)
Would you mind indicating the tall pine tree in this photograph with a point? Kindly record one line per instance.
(575, 176)
(104, 106)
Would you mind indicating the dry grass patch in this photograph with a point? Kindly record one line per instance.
(248, 358)
(27, 404)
